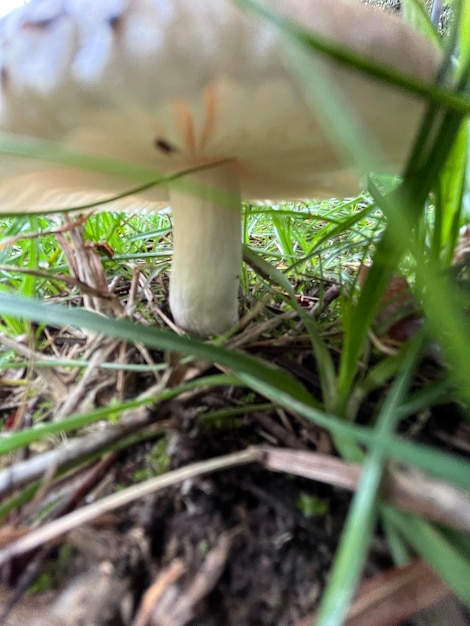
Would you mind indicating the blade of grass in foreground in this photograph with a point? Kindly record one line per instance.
(433, 93)
(435, 549)
(415, 14)
(352, 552)
(53, 152)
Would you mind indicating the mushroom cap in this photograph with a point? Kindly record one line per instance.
(170, 84)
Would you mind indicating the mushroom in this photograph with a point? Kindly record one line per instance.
(200, 85)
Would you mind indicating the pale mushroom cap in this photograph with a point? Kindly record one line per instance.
(171, 84)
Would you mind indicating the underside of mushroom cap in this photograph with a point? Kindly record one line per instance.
(173, 85)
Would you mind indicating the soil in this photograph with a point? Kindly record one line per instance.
(244, 546)
(248, 550)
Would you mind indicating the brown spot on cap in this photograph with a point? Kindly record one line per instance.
(4, 78)
(164, 146)
(40, 24)
(115, 22)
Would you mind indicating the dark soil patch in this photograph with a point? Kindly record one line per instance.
(278, 557)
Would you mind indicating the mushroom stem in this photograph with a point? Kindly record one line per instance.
(207, 252)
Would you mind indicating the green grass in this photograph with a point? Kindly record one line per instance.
(413, 230)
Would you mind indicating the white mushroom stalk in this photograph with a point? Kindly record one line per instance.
(175, 85)
(207, 252)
